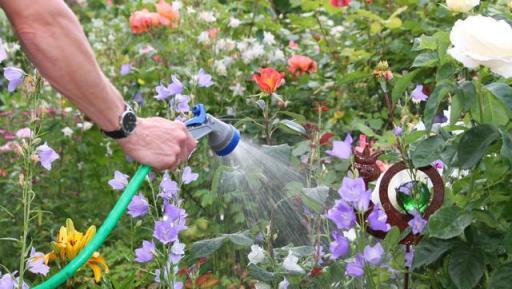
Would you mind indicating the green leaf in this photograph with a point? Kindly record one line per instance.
(463, 100)
(445, 71)
(466, 267)
(425, 42)
(297, 117)
(473, 145)
(506, 148)
(392, 239)
(502, 91)
(426, 59)
(427, 151)
(433, 102)
(429, 250)
(448, 222)
(291, 126)
(206, 247)
(353, 77)
(489, 109)
(260, 273)
(316, 197)
(443, 42)
(240, 239)
(501, 278)
(401, 85)
(303, 251)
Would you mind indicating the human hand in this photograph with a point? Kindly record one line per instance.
(159, 143)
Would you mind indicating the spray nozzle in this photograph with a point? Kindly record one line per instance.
(222, 137)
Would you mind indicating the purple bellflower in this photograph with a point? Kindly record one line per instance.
(15, 77)
(146, 253)
(119, 181)
(341, 149)
(342, 215)
(339, 247)
(46, 156)
(139, 206)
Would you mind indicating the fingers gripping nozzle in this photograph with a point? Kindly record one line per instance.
(223, 138)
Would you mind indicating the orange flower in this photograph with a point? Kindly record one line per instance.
(142, 20)
(169, 16)
(298, 64)
(268, 79)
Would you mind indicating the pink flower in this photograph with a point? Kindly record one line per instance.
(340, 3)
(24, 133)
(299, 64)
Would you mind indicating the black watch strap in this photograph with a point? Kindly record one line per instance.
(127, 123)
(115, 134)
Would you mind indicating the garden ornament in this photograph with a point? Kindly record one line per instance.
(222, 138)
(398, 207)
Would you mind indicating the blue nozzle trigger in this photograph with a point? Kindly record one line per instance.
(199, 116)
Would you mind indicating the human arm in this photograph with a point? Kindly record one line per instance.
(54, 41)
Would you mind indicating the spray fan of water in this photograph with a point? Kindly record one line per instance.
(266, 185)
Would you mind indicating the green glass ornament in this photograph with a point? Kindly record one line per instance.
(417, 199)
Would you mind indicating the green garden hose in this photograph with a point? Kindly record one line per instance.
(108, 225)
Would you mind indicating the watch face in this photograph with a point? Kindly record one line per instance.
(129, 121)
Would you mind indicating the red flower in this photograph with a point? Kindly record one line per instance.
(268, 79)
(298, 64)
(325, 139)
(320, 106)
(315, 271)
(340, 3)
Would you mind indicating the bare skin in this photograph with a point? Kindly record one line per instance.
(54, 41)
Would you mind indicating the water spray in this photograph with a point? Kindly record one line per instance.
(223, 138)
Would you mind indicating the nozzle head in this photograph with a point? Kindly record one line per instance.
(233, 143)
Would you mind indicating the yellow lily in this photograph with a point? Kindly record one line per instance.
(70, 242)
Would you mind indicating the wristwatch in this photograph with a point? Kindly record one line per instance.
(127, 123)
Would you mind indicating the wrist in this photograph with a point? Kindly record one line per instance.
(127, 122)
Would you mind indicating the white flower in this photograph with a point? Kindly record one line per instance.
(337, 30)
(283, 284)
(257, 255)
(350, 234)
(84, 125)
(207, 16)
(290, 263)
(225, 44)
(276, 56)
(237, 89)
(190, 10)
(510, 3)
(220, 67)
(268, 38)
(177, 5)
(233, 22)
(480, 40)
(203, 37)
(67, 131)
(461, 5)
(261, 285)
(3, 53)
(255, 51)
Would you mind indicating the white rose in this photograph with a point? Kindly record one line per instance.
(290, 263)
(480, 40)
(257, 255)
(461, 5)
